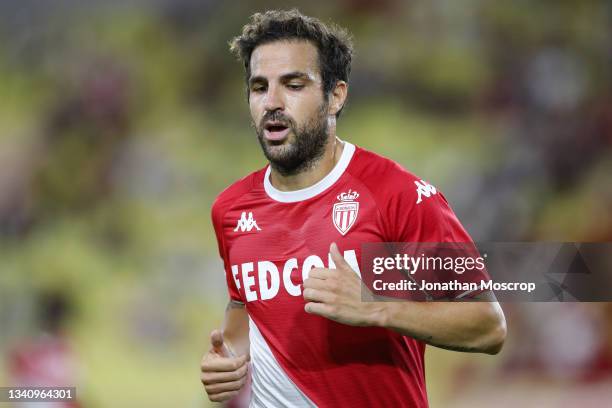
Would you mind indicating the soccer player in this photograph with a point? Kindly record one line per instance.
(290, 237)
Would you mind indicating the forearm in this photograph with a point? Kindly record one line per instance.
(236, 328)
(461, 326)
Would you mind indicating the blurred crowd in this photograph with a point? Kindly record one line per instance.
(121, 121)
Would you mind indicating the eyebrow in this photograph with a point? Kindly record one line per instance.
(295, 75)
(285, 77)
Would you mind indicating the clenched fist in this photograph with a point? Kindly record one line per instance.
(222, 372)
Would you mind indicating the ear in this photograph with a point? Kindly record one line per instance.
(337, 97)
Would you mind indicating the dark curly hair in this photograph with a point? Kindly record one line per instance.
(333, 43)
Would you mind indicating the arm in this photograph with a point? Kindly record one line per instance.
(236, 328)
(224, 368)
(461, 326)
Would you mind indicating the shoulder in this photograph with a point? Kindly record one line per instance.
(235, 191)
(414, 210)
(384, 177)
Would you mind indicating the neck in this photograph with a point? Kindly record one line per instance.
(313, 174)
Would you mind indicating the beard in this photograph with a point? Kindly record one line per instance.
(303, 147)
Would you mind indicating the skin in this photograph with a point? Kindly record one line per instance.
(285, 77)
(224, 369)
(286, 83)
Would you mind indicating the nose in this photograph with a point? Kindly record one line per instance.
(274, 99)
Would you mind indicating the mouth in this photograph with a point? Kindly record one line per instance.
(275, 131)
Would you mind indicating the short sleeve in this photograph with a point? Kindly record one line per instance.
(419, 213)
(230, 278)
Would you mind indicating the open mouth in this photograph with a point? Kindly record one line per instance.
(275, 131)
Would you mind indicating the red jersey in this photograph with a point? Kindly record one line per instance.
(270, 239)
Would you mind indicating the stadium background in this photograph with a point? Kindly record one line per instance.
(121, 121)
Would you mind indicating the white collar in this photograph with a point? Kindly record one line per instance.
(315, 189)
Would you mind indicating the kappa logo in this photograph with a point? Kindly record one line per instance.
(345, 212)
(424, 189)
(246, 223)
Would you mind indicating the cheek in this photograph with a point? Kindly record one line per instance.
(256, 111)
(305, 108)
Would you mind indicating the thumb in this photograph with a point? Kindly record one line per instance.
(336, 257)
(216, 340)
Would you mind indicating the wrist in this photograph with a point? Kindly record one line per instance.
(380, 315)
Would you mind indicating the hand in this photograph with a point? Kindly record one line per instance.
(223, 374)
(336, 294)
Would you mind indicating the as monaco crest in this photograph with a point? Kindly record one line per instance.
(345, 212)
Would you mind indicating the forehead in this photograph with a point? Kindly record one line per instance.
(281, 57)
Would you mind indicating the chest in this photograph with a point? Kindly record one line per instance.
(272, 246)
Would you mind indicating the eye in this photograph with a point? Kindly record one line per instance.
(295, 86)
(258, 88)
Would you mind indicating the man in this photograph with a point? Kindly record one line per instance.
(291, 260)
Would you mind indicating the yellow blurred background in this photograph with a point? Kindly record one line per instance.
(121, 121)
